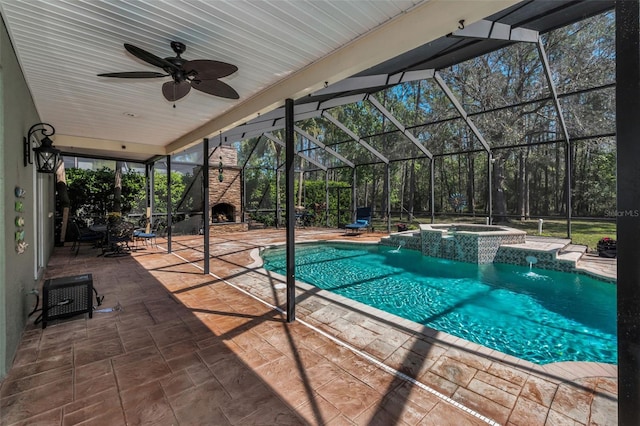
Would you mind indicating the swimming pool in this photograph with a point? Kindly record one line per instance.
(538, 315)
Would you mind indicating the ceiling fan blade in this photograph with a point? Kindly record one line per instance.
(134, 74)
(216, 88)
(150, 58)
(173, 91)
(208, 70)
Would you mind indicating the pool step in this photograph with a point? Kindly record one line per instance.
(575, 248)
(551, 253)
(538, 238)
(571, 253)
(571, 256)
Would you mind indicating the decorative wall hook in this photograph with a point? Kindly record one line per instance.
(20, 192)
(21, 246)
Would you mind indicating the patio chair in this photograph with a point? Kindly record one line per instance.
(82, 235)
(363, 221)
(119, 235)
(148, 237)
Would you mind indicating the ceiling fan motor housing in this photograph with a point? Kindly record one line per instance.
(178, 47)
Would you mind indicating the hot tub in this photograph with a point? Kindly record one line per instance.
(467, 242)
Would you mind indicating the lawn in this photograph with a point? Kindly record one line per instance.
(586, 233)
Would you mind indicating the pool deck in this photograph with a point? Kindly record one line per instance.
(193, 349)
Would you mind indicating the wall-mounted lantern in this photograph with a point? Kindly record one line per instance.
(46, 154)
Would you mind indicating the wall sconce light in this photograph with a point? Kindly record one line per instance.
(45, 153)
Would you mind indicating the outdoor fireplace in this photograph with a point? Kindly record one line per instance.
(222, 213)
(225, 195)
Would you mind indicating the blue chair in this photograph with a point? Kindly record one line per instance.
(151, 237)
(363, 221)
(145, 236)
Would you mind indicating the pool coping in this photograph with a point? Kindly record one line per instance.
(557, 371)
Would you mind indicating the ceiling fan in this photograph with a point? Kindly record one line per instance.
(201, 74)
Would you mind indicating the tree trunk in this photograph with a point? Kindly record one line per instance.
(527, 175)
(460, 174)
(527, 205)
(444, 195)
(521, 184)
(278, 204)
(412, 188)
(385, 194)
(547, 201)
(582, 204)
(442, 185)
(498, 186)
(374, 192)
(572, 172)
(366, 192)
(404, 179)
(117, 191)
(558, 189)
(300, 184)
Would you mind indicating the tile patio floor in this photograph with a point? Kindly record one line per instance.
(190, 349)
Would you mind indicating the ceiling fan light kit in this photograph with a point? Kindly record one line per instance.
(200, 74)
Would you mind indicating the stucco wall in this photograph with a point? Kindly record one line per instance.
(17, 115)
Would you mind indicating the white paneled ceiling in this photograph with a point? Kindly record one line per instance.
(282, 48)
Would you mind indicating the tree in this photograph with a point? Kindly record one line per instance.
(91, 192)
(507, 95)
(179, 183)
(117, 188)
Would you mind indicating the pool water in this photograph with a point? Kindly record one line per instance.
(538, 315)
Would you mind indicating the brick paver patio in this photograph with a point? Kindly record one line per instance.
(192, 349)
